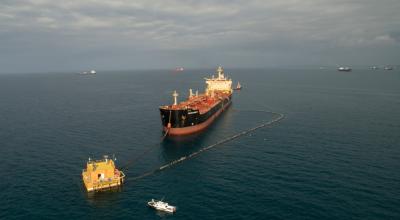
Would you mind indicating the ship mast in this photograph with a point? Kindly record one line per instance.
(175, 95)
(190, 93)
(220, 72)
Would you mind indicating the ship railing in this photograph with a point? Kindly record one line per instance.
(97, 161)
(102, 183)
(120, 176)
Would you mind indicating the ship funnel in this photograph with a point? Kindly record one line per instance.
(175, 95)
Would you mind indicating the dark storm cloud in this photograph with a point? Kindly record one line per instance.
(66, 35)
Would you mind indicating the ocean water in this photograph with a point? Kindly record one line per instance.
(336, 155)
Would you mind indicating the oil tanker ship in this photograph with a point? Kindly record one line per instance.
(199, 110)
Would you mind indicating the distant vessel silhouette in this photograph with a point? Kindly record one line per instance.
(179, 69)
(388, 68)
(91, 72)
(344, 69)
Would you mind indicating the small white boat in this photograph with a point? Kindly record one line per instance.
(161, 206)
(238, 86)
(92, 71)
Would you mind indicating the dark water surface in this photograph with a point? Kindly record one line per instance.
(336, 155)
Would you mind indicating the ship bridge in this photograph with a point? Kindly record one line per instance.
(219, 83)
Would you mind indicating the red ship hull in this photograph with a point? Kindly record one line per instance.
(195, 128)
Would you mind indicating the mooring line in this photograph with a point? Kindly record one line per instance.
(223, 141)
(165, 135)
(131, 162)
(150, 148)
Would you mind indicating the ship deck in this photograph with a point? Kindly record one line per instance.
(201, 102)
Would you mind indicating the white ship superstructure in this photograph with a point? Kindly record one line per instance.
(221, 83)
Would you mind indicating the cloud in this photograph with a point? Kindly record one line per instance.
(225, 27)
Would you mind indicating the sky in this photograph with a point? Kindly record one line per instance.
(79, 35)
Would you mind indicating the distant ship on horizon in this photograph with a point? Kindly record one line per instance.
(388, 68)
(344, 69)
(91, 72)
(179, 69)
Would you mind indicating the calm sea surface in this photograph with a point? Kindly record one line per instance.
(336, 155)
